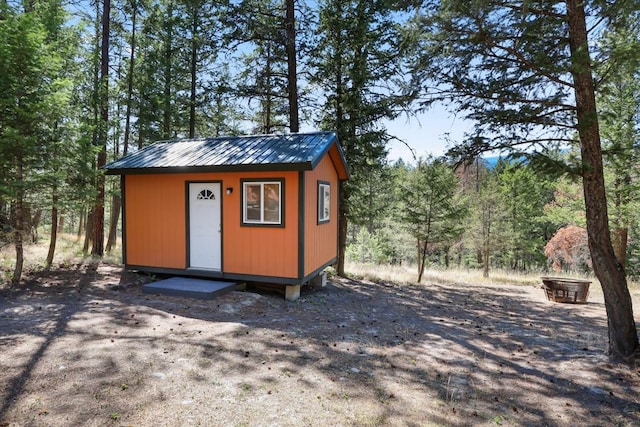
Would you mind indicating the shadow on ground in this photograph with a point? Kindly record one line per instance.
(85, 346)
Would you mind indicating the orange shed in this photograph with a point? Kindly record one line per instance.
(258, 208)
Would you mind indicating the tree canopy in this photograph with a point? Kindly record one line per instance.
(551, 86)
(494, 61)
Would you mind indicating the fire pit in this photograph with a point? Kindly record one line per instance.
(562, 289)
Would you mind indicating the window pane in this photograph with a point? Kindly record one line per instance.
(272, 202)
(253, 200)
(326, 202)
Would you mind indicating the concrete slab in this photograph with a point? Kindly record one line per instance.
(190, 288)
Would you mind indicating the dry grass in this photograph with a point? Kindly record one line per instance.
(85, 346)
(68, 252)
(408, 274)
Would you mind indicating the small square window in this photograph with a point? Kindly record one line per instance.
(324, 202)
(262, 202)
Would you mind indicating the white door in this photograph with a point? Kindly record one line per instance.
(205, 230)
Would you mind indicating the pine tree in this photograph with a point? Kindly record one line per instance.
(103, 131)
(524, 193)
(258, 28)
(494, 60)
(31, 96)
(357, 63)
(619, 106)
(432, 207)
(488, 231)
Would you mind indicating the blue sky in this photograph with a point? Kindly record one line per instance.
(426, 133)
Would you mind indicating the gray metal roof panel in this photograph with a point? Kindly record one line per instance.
(302, 149)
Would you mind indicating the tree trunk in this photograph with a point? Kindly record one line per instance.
(88, 230)
(194, 70)
(113, 225)
(422, 261)
(620, 239)
(61, 221)
(26, 218)
(132, 57)
(268, 91)
(418, 257)
(292, 73)
(343, 192)
(32, 226)
(342, 228)
(168, 58)
(54, 228)
(620, 234)
(447, 259)
(18, 226)
(97, 229)
(485, 262)
(623, 337)
(81, 224)
(98, 215)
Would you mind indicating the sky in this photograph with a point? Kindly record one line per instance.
(426, 133)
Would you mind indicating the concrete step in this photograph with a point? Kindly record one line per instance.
(190, 288)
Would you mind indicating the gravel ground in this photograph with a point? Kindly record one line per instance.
(83, 346)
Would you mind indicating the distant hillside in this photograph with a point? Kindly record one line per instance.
(491, 161)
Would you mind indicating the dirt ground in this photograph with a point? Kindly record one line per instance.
(85, 347)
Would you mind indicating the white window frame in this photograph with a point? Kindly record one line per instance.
(245, 206)
(324, 194)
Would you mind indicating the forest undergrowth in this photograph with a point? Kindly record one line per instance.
(375, 349)
(69, 253)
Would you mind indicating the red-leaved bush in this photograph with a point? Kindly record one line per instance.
(568, 249)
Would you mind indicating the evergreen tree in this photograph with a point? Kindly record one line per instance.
(619, 106)
(357, 67)
(32, 94)
(258, 28)
(133, 9)
(62, 140)
(494, 60)
(374, 200)
(202, 34)
(163, 81)
(488, 231)
(103, 131)
(567, 206)
(524, 193)
(292, 65)
(266, 32)
(432, 208)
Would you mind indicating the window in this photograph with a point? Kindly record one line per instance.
(262, 202)
(324, 201)
(206, 195)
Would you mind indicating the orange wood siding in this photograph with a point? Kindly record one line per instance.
(341, 168)
(155, 220)
(156, 224)
(263, 251)
(321, 240)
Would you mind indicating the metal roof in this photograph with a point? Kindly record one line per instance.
(298, 151)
